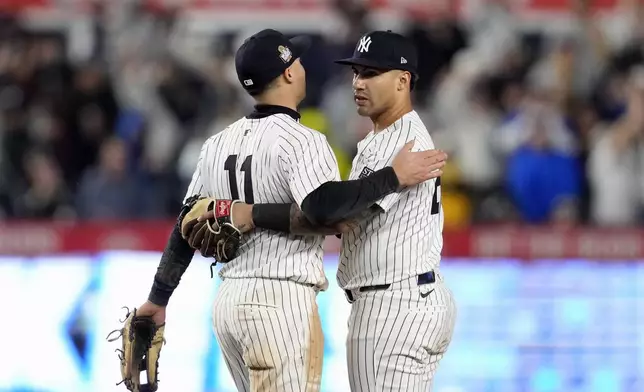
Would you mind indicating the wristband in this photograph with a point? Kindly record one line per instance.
(272, 216)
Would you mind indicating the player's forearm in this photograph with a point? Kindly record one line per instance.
(176, 258)
(287, 218)
(336, 201)
(300, 224)
(291, 219)
(334, 207)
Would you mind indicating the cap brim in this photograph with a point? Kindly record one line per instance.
(301, 44)
(375, 65)
(362, 62)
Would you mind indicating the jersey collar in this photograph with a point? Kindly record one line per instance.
(263, 110)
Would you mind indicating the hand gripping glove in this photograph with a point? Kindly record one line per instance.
(141, 347)
(215, 237)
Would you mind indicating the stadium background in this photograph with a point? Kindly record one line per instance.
(103, 104)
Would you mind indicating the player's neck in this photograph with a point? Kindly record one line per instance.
(278, 100)
(390, 116)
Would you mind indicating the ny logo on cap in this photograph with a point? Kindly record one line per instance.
(363, 45)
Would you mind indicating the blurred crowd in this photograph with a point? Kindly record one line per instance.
(541, 126)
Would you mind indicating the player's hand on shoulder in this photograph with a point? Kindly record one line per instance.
(413, 168)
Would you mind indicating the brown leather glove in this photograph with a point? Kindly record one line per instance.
(216, 237)
(141, 342)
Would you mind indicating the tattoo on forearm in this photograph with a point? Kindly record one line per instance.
(300, 225)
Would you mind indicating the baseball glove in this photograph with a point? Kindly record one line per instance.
(141, 347)
(216, 236)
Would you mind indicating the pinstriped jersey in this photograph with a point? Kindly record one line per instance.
(273, 159)
(406, 238)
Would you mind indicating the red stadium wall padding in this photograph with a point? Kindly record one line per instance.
(423, 6)
(527, 243)
(20, 5)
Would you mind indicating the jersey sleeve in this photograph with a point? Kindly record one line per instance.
(196, 186)
(385, 159)
(309, 162)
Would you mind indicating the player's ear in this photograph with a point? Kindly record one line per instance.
(404, 79)
(289, 74)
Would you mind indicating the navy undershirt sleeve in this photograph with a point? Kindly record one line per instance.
(332, 202)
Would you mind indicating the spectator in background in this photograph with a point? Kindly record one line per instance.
(110, 190)
(47, 196)
(544, 174)
(543, 177)
(355, 22)
(588, 48)
(437, 42)
(616, 163)
(165, 95)
(53, 74)
(16, 71)
(15, 141)
(469, 139)
(585, 123)
(493, 33)
(92, 116)
(609, 97)
(47, 129)
(183, 92)
(543, 104)
(624, 30)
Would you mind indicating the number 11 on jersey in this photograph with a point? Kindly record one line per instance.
(231, 165)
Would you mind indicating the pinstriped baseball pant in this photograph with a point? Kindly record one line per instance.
(397, 337)
(270, 334)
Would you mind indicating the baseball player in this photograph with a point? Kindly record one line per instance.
(265, 314)
(403, 314)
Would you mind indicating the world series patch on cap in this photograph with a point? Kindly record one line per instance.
(264, 56)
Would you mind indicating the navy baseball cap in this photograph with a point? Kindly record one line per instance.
(385, 50)
(264, 56)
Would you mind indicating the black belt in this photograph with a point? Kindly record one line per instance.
(426, 278)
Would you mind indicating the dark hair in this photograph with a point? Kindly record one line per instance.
(412, 82)
(257, 92)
